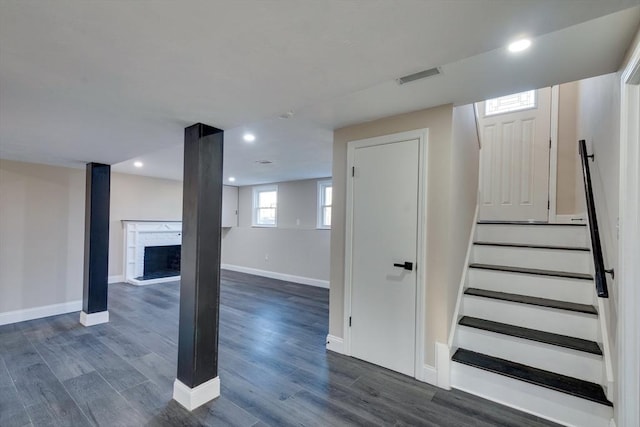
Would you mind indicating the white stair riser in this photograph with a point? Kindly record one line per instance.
(557, 288)
(547, 259)
(572, 363)
(563, 322)
(552, 405)
(533, 234)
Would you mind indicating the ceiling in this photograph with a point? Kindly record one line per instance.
(116, 82)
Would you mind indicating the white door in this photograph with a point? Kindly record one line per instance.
(384, 203)
(514, 159)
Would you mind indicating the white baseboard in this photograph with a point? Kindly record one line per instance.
(115, 279)
(39, 312)
(430, 375)
(571, 219)
(192, 398)
(335, 344)
(280, 276)
(443, 364)
(94, 318)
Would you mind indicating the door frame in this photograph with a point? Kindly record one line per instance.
(552, 216)
(421, 256)
(627, 270)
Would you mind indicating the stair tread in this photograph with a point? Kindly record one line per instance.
(532, 246)
(551, 380)
(555, 224)
(525, 299)
(535, 271)
(533, 335)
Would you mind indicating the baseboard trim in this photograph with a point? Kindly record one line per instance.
(91, 319)
(443, 363)
(39, 312)
(192, 398)
(570, 219)
(275, 275)
(430, 375)
(335, 344)
(115, 279)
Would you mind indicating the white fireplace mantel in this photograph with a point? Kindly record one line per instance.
(140, 234)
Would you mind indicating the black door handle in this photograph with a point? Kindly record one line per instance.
(407, 265)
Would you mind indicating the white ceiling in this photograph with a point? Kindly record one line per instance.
(113, 82)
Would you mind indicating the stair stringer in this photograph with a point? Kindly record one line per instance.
(463, 283)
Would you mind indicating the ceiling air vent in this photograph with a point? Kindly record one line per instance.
(264, 162)
(419, 75)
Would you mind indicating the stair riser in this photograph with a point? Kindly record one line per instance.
(533, 234)
(552, 358)
(561, 322)
(561, 289)
(548, 259)
(552, 405)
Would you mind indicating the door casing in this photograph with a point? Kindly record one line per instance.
(421, 254)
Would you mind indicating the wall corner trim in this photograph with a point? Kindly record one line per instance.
(335, 344)
(279, 276)
(16, 316)
(192, 398)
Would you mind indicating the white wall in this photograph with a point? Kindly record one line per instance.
(295, 247)
(41, 235)
(598, 122)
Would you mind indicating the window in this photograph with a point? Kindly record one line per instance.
(265, 206)
(324, 204)
(510, 103)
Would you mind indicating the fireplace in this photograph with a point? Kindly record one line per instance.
(161, 261)
(152, 251)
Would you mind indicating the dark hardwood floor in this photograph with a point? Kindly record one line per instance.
(274, 369)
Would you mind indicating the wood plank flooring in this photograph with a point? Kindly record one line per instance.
(274, 369)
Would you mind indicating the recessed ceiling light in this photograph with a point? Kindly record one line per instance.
(232, 179)
(519, 45)
(138, 164)
(249, 137)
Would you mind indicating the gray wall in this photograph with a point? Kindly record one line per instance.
(294, 247)
(41, 235)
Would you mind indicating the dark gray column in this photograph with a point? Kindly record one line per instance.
(197, 381)
(96, 245)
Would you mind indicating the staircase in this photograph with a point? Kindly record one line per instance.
(528, 333)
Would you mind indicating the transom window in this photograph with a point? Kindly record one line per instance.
(265, 206)
(325, 191)
(510, 103)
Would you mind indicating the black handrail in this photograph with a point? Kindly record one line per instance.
(598, 259)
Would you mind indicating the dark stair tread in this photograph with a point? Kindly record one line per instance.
(562, 383)
(533, 335)
(553, 224)
(535, 271)
(525, 299)
(531, 246)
